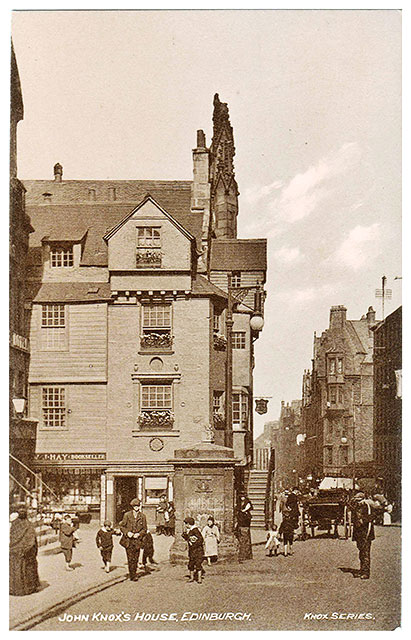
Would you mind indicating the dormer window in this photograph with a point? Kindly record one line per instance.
(236, 279)
(61, 256)
(148, 252)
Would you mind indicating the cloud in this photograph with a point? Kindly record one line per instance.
(305, 295)
(359, 246)
(288, 255)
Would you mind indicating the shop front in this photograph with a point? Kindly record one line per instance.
(122, 487)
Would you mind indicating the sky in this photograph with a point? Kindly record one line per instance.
(315, 104)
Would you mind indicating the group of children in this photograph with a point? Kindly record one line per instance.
(286, 532)
(104, 540)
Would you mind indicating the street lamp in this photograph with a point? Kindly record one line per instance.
(19, 404)
(256, 324)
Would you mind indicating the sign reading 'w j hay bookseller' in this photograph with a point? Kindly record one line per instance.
(63, 457)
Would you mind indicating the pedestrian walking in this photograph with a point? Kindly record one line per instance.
(160, 516)
(104, 542)
(286, 530)
(195, 542)
(292, 505)
(24, 577)
(211, 535)
(273, 542)
(68, 539)
(244, 516)
(133, 527)
(363, 515)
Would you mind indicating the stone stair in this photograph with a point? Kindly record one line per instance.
(256, 492)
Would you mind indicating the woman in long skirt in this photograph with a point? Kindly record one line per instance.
(24, 577)
(244, 535)
(211, 537)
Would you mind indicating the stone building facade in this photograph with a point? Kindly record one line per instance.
(289, 448)
(337, 402)
(388, 404)
(128, 285)
(22, 429)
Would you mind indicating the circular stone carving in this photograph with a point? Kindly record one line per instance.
(156, 364)
(156, 444)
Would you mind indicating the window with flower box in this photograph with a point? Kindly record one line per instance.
(148, 250)
(53, 327)
(156, 407)
(156, 327)
(54, 407)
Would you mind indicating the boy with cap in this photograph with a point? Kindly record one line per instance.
(133, 527)
(104, 542)
(195, 549)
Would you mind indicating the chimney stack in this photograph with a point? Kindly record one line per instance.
(338, 316)
(370, 315)
(58, 172)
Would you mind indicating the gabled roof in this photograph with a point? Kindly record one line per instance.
(148, 198)
(238, 255)
(69, 214)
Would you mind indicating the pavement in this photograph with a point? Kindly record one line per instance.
(60, 589)
(314, 589)
(313, 564)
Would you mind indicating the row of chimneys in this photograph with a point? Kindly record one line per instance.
(338, 316)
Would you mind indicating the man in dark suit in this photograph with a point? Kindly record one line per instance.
(133, 527)
(364, 512)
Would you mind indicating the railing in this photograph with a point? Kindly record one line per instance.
(156, 420)
(261, 459)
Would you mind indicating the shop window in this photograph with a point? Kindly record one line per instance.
(238, 339)
(53, 327)
(54, 407)
(240, 411)
(154, 488)
(156, 327)
(61, 256)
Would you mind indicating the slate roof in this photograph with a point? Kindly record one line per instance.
(202, 286)
(238, 255)
(69, 214)
(72, 292)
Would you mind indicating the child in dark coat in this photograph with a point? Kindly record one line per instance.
(104, 541)
(195, 549)
(287, 531)
(148, 550)
(68, 539)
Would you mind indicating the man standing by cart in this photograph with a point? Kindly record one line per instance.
(363, 515)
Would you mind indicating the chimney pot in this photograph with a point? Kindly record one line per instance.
(201, 139)
(338, 316)
(58, 172)
(370, 315)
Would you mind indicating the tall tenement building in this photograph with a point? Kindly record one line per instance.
(22, 430)
(337, 402)
(128, 285)
(388, 404)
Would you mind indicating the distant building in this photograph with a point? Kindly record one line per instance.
(288, 453)
(22, 430)
(128, 282)
(264, 443)
(388, 404)
(337, 402)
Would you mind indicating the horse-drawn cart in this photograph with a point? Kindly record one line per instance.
(327, 510)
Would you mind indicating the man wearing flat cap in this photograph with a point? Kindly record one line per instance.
(133, 527)
(363, 515)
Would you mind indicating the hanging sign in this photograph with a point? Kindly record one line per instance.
(261, 405)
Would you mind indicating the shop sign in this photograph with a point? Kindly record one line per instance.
(65, 457)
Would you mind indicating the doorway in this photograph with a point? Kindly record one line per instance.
(125, 491)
